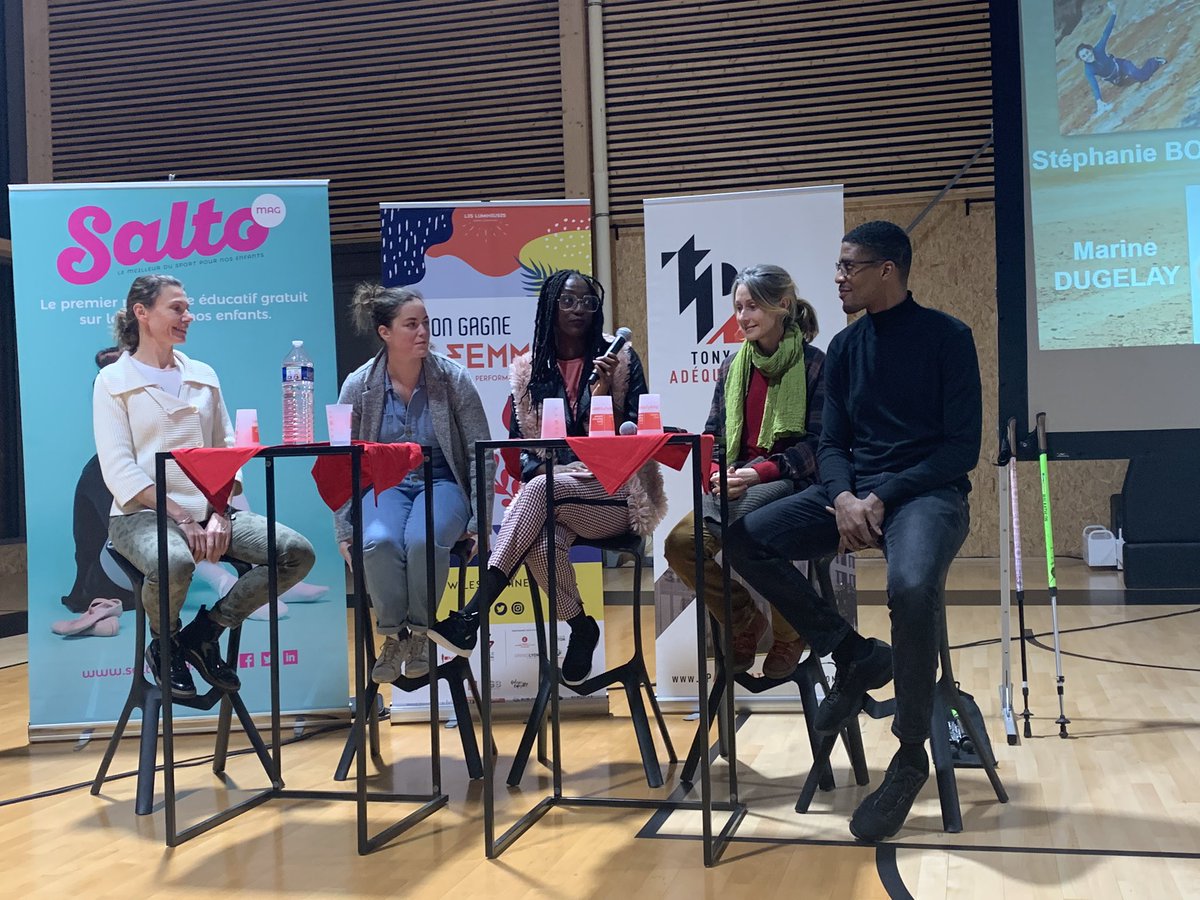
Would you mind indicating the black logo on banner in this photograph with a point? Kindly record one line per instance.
(696, 285)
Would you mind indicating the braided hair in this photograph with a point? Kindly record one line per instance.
(545, 353)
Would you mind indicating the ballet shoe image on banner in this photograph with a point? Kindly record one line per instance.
(100, 620)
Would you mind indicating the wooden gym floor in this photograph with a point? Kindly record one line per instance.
(1114, 811)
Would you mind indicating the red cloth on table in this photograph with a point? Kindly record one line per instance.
(614, 458)
(675, 455)
(213, 469)
(383, 466)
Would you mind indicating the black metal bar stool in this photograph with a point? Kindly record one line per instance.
(632, 675)
(809, 673)
(145, 695)
(946, 698)
(455, 673)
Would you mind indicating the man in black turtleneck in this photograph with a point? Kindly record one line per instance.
(901, 430)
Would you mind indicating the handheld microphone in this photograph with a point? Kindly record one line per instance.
(628, 428)
(622, 338)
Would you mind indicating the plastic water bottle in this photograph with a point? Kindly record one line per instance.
(297, 396)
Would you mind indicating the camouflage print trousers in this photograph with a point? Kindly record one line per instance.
(135, 537)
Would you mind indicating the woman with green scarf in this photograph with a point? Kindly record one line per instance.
(767, 404)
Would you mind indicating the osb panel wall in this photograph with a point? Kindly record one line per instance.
(954, 270)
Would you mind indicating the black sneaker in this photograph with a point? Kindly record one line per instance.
(182, 686)
(459, 633)
(845, 697)
(577, 663)
(883, 812)
(201, 645)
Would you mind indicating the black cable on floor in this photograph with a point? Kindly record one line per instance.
(1033, 636)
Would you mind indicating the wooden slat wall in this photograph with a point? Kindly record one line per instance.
(889, 97)
(390, 99)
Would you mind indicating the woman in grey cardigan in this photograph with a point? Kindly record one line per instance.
(408, 393)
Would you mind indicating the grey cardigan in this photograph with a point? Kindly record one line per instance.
(458, 422)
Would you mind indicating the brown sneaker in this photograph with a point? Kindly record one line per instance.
(745, 641)
(783, 658)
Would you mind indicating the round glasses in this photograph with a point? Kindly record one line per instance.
(589, 302)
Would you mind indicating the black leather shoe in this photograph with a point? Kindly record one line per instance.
(201, 645)
(850, 682)
(182, 686)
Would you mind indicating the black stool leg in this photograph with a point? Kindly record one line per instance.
(137, 692)
(462, 712)
(820, 764)
(224, 721)
(148, 752)
(808, 701)
(534, 728)
(641, 729)
(474, 686)
(110, 751)
(535, 725)
(700, 741)
(643, 676)
(943, 764)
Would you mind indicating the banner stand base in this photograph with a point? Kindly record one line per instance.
(40, 734)
(508, 711)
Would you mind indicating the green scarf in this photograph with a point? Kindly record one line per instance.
(787, 392)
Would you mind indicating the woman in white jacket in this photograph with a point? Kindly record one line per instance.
(152, 399)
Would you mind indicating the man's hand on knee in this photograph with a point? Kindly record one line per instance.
(859, 522)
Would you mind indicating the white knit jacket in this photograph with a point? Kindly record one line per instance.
(133, 419)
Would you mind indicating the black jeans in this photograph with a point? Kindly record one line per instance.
(921, 536)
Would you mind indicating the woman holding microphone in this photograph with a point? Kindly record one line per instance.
(569, 361)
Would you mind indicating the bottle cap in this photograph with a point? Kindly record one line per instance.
(297, 343)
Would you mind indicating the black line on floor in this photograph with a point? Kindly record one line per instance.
(950, 848)
(889, 873)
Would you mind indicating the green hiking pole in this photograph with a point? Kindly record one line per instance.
(1062, 719)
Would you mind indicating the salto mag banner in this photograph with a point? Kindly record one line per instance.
(254, 259)
(695, 247)
(479, 266)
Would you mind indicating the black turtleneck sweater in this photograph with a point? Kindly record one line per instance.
(902, 399)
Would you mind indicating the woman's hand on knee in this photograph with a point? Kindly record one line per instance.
(218, 533)
(197, 539)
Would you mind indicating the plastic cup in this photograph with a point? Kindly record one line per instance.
(337, 417)
(554, 418)
(245, 428)
(601, 421)
(649, 414)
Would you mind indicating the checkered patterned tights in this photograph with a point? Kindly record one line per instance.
(582, 509)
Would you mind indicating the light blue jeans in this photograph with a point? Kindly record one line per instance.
(394, 550)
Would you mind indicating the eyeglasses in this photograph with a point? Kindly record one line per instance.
(848, 267)
(589, 302)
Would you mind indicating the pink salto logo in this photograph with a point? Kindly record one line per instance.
(205, 232)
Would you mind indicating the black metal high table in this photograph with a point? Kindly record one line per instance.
(714, 844)
(272, 764)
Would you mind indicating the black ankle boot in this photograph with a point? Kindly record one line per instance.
(201, 645)
(182, 686)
